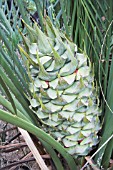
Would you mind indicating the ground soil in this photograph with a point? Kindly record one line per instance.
(13, 150)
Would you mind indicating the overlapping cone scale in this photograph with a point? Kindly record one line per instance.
(64, 96)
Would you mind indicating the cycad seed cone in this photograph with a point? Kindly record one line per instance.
(62, 87)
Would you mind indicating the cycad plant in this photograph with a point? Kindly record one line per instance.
(57, 93)
(62, 85)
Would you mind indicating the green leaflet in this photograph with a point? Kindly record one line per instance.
(8, 94)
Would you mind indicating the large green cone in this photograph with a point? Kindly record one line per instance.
(62, 84)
